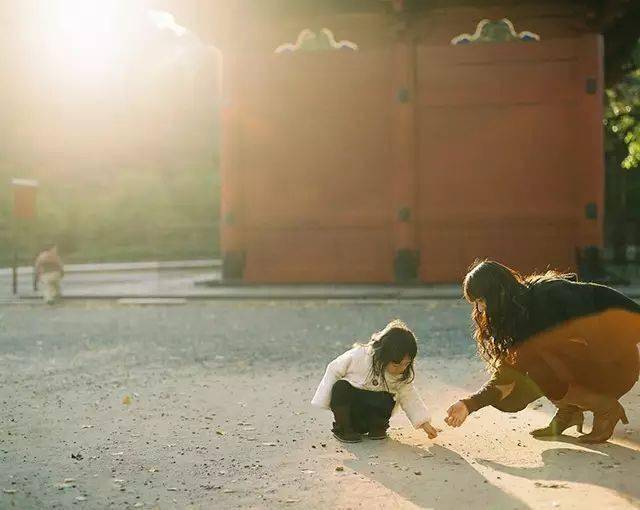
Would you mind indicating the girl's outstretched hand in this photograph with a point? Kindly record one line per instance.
(457, 414)
(431, 431)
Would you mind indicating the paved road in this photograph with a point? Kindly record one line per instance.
(187, 279)
(138, 282)
(205, 405)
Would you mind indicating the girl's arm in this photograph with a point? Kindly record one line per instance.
(413, 405)
(336, 370)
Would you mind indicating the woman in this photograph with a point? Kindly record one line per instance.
(575, 343)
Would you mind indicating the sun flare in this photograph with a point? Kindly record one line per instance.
(83, 36)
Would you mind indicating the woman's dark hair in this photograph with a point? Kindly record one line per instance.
(392, 344)
(504, 291)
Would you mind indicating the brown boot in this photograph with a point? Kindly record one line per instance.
(342, 428)
(607, 411)
(604, 422)
(565, 417)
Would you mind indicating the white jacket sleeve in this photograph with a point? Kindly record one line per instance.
(336, 370)
(412, 405)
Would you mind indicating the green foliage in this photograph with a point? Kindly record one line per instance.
(133, 215)
(622, 115)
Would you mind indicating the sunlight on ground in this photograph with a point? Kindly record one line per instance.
(493, 457)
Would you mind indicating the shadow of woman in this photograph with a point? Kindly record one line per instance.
(611, 466)
(433, 478)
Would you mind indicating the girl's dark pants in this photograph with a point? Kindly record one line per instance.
(368, 409)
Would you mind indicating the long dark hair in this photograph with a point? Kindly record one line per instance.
(504, 291)
(392, 344)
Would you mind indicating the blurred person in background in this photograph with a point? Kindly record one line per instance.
(49, 270)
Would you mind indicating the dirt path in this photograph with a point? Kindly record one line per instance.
(206, 406)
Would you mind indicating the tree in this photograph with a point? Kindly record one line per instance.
(622, 116)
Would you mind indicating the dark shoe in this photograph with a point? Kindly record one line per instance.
(604, 422)
(342, 428)
(377, 433)
(346, 436)
(565, 417)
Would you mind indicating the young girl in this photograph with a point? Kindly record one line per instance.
(362, 386)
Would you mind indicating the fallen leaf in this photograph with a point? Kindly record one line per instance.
(339, 468)
(126, 400)
(220, 432)
(551, 485)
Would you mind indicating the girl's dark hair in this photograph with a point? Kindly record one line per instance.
(392, 344)
(504, 292)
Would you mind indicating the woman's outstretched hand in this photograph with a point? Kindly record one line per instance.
(431, 431)
(457, 414)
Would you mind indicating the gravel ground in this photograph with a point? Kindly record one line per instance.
(205, 405)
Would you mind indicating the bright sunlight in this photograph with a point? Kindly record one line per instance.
(83, 36)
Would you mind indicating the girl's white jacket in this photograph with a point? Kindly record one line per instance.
(354, 366)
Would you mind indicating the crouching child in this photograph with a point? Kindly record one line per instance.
(363, 385)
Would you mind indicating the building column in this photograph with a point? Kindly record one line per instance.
(589, 144)
(404, 149)
(232, 242)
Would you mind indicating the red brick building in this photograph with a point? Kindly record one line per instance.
(383, 141)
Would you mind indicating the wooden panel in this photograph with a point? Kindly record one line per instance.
(448, 247)
(316, 167)
(319, 255)
(500, 168)
(487, 74)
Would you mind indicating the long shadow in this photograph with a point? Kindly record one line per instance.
(611, 466)
(436, 477)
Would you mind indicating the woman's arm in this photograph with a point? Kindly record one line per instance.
(493, 391)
